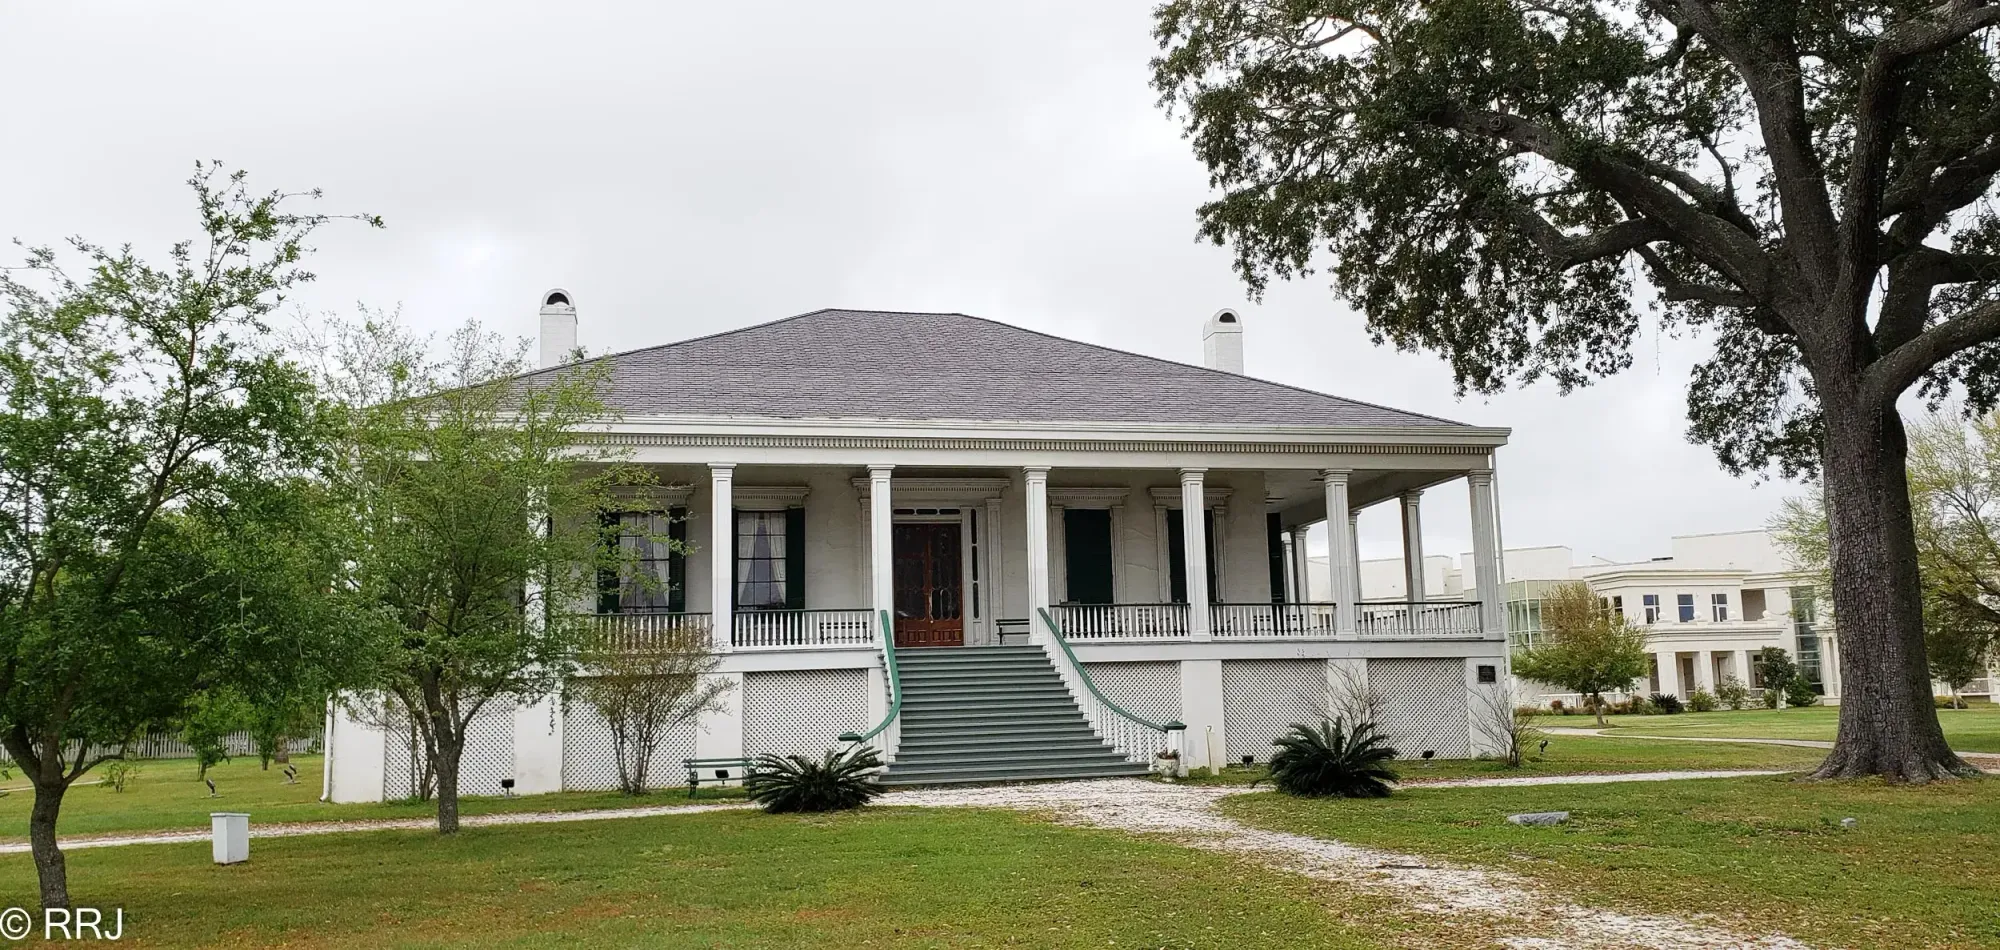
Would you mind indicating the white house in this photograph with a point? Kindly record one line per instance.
(967, 543)
(1708, 608)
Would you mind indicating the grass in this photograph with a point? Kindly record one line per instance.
(1584, 755)
(1969, 730)
(891, 877)
(1765, 853)
(167, 795)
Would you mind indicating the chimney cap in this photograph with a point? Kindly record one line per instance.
(557, 297)
(1225, 319)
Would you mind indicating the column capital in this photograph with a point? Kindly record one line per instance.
(1036, 472)
(1335, 474)
(1193, 475)
(880, 470)
(1413, 496)
(1480, 475)
(721, 468)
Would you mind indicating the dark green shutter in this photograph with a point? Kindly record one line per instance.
(607, 575)
(1274, 527)
(677, 532)
(1176, 557)
(795, 558)
(734, 553)
(1208, 549)
(1087, 554)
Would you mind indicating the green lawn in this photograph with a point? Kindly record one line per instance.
(1763, 852)
(1586, 755)
(879, 877)
(167, 795)
(1970, 730)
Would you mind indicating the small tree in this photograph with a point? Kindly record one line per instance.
(643, 690)
(479, 529)
(160, 531)
(1506, 726)
(1781, 674)
(1584, 648)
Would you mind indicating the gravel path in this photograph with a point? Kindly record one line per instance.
(1518, 912)
(1991, 759)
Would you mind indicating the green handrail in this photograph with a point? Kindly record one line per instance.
(1055, 630)
(895, 685)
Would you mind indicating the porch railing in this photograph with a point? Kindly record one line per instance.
(651, 630)
(1420, 620)
(803, 629)
(895, 684)
(1249, 621)
(1123, 621)
(1137, 739)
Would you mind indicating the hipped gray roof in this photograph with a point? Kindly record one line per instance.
(868, 364)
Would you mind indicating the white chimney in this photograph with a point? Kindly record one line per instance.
(1221, 342)
(559, 327)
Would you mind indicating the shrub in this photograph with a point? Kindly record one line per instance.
(1733, 694)
(1771, 697)
(119, 772)
(1666, 703)
(1556, 706)
(1701, 700)
(794, 783)
(1331, 762)
(1801, 693)
(1949, 702)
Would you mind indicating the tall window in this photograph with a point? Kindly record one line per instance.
(1652, 605)
(651, 575)
(1718, 607)
(1177, 556)
(1617, 606)
(1684, 605)
(762, 565)
(1805, 631)
(1087, 554)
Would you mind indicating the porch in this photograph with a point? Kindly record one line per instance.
(973, 554)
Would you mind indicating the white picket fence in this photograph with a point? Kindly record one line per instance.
(167, 745)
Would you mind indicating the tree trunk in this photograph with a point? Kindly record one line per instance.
(49, 865)
(1597, 706)
(1888, 724)
(450, 748)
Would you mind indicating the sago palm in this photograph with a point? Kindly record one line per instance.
(1333, 762)
(794, 783)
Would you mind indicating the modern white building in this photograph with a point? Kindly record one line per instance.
(971, 545)
(1708, 607)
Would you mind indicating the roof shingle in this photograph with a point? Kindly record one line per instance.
(866, 364)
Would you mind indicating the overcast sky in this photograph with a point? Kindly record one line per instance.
(689, 168)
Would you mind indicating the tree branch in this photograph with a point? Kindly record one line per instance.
(1571, 251)
(1886, 378)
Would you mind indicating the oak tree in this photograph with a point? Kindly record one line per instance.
(1515, 184)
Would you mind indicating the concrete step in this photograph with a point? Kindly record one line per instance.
(980, 774)
(1098, 753)
(1012, 711)
(953, 742)
(974, 695)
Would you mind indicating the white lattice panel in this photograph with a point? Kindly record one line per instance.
(1423, 706)
(802, 712)
(1148, 690)
(488, 756)
(590, 756)
(1263, 699)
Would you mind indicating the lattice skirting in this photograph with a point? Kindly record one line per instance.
(488, 758)
(1262, 699)
(1149, 690)
(590, 757)
(1423, 706)
(802, 712)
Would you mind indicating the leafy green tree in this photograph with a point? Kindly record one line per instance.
(1521, 185)
(1584, 647)
(478, 525)
(160, 530)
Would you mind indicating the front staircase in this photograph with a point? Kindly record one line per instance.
(993, 714)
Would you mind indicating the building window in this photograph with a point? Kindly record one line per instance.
(1684, 607)
(1618, 606)
(1718, 607)
(1087, 555)
(1652, 604)
(764, 578)
(1805, 632)
(651, 562)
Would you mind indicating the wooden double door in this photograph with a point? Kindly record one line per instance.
(930, 584)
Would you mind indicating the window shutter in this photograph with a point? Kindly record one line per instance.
(735, 551)
(795, 558)
(1208, 545)
(1087, 554)
(607, 577)
(677, 532)
(1274, 530)
(1176, 557)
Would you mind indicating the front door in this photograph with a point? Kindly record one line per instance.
(929, 606)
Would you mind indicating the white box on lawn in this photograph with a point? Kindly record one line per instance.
(231, 836)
